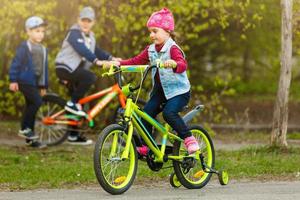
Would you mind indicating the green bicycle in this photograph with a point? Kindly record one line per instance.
(115, 155)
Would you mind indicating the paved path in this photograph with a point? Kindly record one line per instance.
(213, 191)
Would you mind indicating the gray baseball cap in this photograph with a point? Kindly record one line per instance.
(87, 13)
(34, 22)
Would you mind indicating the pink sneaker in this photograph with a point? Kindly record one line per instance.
(143, 150)
(191, 144)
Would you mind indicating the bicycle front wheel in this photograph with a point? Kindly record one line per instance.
(113, 173)
(190, 171)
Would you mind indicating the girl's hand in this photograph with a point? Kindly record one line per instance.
(116, 59)
(14, 87)
(108, 64)
(99, 62)
(170, 64)
(43, 92)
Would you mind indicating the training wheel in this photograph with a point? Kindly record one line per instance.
(223, 177)
(174, 181)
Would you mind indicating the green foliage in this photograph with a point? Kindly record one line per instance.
(214, 111)
(219, 38)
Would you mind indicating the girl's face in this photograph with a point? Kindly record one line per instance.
(85, 25)
(158, 35)
(36, 35)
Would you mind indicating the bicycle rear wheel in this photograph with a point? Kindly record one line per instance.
(114, 174)
(53, 134)
(190, 172)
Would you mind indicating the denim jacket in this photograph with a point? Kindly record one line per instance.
(22, 67)
(173, 84)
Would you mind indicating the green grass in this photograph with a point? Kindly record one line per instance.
(293, 136)
(68, 166)
(261, 163)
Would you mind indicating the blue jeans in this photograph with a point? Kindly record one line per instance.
(169, 108)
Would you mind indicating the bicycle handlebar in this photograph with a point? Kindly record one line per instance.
(117, 70)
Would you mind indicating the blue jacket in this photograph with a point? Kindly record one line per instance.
(22, 67)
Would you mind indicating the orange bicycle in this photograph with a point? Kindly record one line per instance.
(53, 122)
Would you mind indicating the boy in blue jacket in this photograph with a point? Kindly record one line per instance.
(29, 74)
(78, 53)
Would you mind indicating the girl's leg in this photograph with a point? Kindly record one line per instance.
(170, 113)
(154, 106)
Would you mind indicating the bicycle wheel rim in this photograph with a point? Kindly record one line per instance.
(50, 134)
(123, 169)
(196, 175)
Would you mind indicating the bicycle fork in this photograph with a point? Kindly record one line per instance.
(128, 141)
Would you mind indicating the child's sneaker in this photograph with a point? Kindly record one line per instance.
(79, 140)
(35, 144)
(74, 109)
(28, 134)
(191, 144)
(143, 150)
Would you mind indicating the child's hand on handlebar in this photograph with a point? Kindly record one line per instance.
(107, 64)
(170, 64)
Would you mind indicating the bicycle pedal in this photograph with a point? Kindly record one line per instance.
(199, 174)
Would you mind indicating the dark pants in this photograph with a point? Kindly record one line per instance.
(169, 108)
(81, 78)
(33, 102)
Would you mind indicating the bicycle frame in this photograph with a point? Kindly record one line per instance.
(132, 116)
(72, 120)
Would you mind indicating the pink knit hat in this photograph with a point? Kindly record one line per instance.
(162, 19)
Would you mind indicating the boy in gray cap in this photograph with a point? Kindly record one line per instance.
(78, 53)
(29, 74)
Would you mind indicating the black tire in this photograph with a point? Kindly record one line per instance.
(50, 135)
(114, 174)
(195, 178)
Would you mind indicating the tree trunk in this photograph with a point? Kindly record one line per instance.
(246, 65)
(280, 116)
